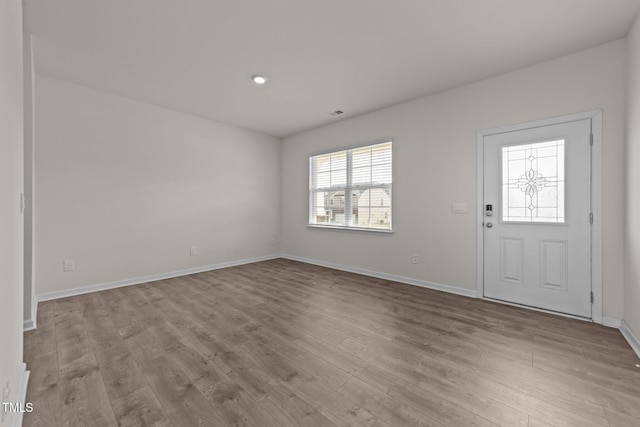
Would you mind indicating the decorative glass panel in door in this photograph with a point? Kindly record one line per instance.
(533, 182)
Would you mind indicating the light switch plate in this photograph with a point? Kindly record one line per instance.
(460, 208)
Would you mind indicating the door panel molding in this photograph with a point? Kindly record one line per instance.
(554, 257)
(511, 259)
(596, 198)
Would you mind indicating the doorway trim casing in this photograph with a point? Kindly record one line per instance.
(596, 200)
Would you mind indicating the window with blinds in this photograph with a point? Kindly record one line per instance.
(352, 188)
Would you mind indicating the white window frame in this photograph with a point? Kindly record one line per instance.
(348, 189)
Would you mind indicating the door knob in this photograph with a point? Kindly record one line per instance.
(489, 224)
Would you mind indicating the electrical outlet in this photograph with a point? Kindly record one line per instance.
(415, 259)
(68, 265)
(193, 250)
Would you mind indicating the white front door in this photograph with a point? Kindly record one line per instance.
(537, 217)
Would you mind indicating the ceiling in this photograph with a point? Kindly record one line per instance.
(197, 56)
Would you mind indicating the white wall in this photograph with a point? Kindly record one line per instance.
(435, 165)
(125, 188)
(632, 225)
(11, 177)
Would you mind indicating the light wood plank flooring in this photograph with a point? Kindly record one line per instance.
(282, 343)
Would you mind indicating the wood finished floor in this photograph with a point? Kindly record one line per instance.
(282, 343)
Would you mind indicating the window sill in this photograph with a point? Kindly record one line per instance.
(358, 229)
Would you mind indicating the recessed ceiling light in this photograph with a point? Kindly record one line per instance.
(258, 79)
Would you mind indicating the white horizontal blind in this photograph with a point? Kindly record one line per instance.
(352, 188)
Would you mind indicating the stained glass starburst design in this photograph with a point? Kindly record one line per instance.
(531, 182)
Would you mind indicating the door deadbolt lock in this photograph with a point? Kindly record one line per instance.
(489, 210)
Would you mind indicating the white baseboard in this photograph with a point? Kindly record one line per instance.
(472, 293)
(28, 325)
(48, 296)
(31, 324)
(631, 338)
(611, 322)
(22, 395)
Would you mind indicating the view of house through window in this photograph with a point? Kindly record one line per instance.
(352, 188)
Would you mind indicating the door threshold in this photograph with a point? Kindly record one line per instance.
(540, 310)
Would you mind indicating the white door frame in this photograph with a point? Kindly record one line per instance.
(596, 200)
